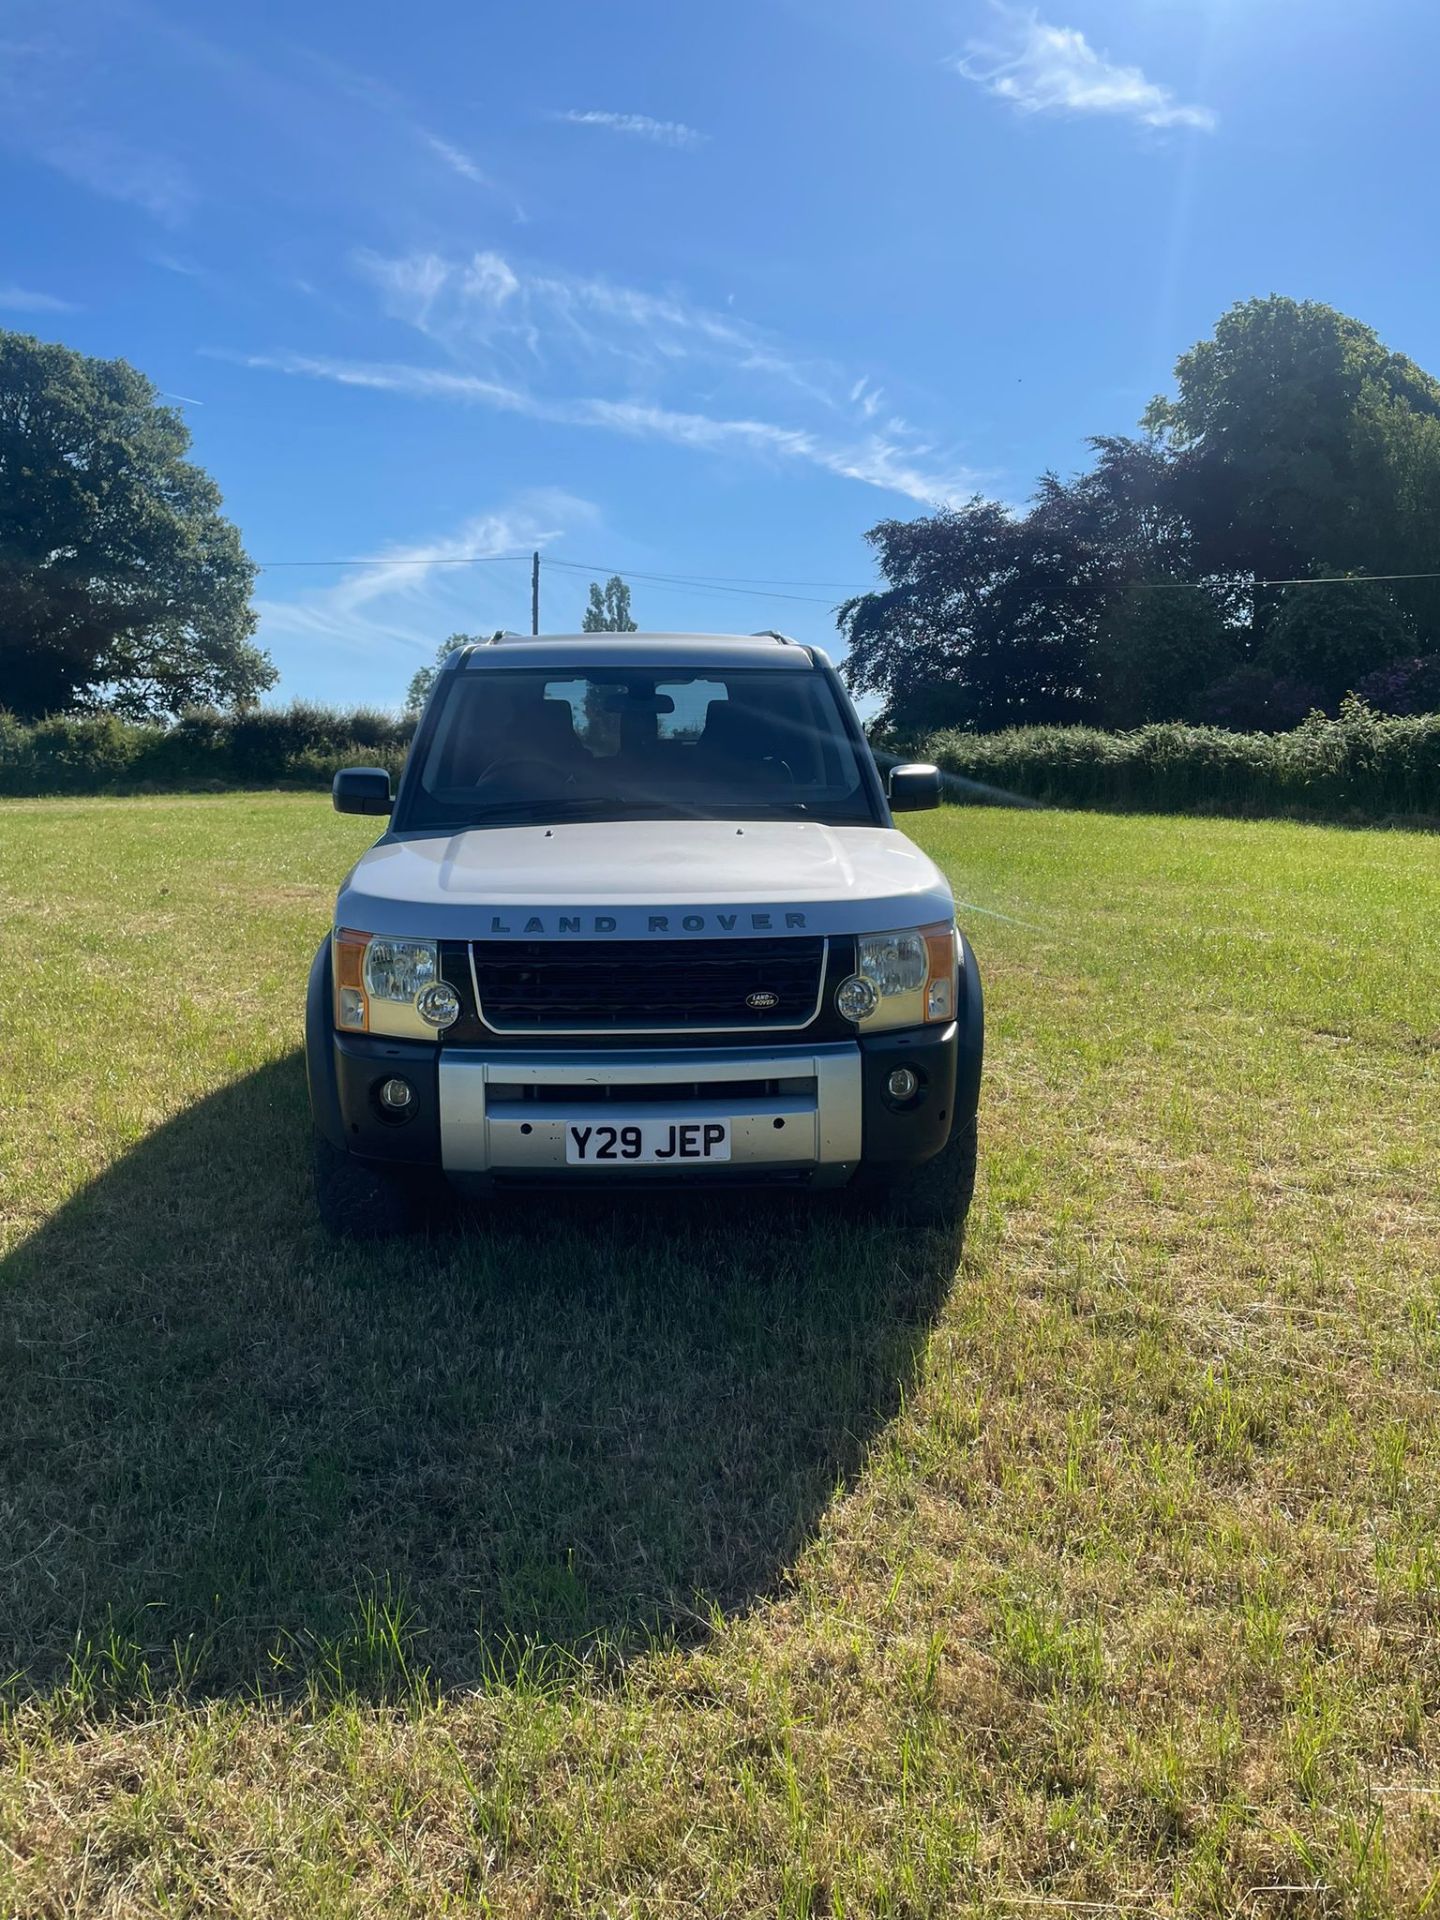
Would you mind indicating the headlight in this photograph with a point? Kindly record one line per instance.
(399, 969)
(385, 985)
(896, 962)
(902, 979)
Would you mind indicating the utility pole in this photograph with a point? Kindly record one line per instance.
(535, 593)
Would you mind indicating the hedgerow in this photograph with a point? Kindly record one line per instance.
(299, 745)
(1360, 765)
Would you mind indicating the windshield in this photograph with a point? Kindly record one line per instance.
(511, 746)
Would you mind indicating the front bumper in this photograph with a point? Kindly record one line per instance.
(806, 1115)
(497, 1116)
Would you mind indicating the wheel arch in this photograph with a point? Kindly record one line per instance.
(971, 1062)
(320, 1050)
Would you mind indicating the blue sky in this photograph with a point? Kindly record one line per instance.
(679, 290)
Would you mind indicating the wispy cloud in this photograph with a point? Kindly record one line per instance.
(183, 269)
(15, 299)
(580, 350)
(117, 170)
(1039, 68)
(456, 159)
(390, 106)
(418, 592)
(47, 112)
(549, 317)
(112, 168)
(664, 133)
(878, 459)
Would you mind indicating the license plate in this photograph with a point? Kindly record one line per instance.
(646, 1143)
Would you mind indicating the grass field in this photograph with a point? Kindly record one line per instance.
(734, 1560)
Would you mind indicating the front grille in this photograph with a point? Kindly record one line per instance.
(599, 986)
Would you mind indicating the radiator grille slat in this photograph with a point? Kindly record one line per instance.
(597, 986)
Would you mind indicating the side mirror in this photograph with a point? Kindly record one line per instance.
(914, 788)
(362, 790)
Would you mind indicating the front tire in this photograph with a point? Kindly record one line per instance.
(360, 1202)
(935, 1192)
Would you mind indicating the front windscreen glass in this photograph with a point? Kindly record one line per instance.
(512, 745)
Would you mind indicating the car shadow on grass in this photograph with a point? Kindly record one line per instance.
(238, 1455)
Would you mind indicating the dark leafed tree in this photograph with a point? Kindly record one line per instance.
(991, 618)
(609, 608)
(121, 583)
(988, 621)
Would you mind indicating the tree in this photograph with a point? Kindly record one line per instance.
(992, 619)
(1160, 576)
(1159, 647)
(1254, 700)
(1334, 634)
(988, 620)
(609, 608)
(121, 583)
(1307, 438)
(422, 680)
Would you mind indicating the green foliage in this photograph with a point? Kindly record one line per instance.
(298, 745)
(1299, 423)
(120, 581)
(1157, 649)
(1252, 699)
(423, 680)
(1361, 765)
(1296, 444)
(1331, 635)
(609, 608)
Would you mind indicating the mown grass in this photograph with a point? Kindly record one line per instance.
(731, 1560)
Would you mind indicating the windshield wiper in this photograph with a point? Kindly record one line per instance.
(555, 811)
(541, 812)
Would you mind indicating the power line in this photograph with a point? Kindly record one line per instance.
(759, 587)
(750, 584)
(397, 560)
(688, 583)
(573, 566)
(713, 579)
(1344, 579)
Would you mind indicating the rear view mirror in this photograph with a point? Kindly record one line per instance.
(914, 788)
(622, 702)
(362, 790)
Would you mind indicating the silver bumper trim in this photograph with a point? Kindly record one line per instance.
(814, 1120)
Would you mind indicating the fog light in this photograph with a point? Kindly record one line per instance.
(438, 1005)
(396, 1095)
(857, 997)
(903, 1083)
